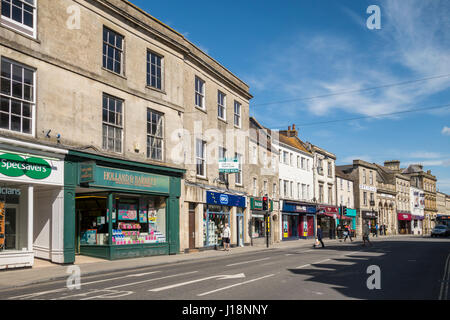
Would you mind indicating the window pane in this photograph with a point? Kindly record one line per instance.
(28, 77)
(17, 89)
(17, 73)
(6, 69)
(16, 14)
(27, 93)
(6, 9)
(4, 120)
(28, 18)
(4, 104)
(26, 125)
(26, 110)
(5, 86)
(16, 107)
(15, 123)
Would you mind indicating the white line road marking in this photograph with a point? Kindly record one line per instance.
(445, 280)
(245, 262)
(321, 261)
(37, 294)
(219, 277)
(234, 285)
(154, 279)
(304, 266)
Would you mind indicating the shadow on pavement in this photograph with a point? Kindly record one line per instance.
(408, 270)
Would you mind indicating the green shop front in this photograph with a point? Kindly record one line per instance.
(121, 209)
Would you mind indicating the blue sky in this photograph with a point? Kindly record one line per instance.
(286, 50)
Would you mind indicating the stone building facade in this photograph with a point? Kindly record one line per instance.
(103, 82)
(364, 176)
(427, 182)
(262, 181)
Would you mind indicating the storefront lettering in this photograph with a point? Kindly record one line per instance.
(13, 165)
(128, 179)
(8, 191)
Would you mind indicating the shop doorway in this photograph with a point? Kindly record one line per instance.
(192, 225)
(11, 227)
(214, 221)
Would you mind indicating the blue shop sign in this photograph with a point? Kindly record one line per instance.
(295, 207)
(225, 199)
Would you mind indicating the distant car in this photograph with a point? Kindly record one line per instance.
(440, 231)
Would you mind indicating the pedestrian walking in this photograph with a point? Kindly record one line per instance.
(381, 230)
(376, 230)
(366, 233)
(384, 229)
(226, 238)
(347, 234)
(319, 237)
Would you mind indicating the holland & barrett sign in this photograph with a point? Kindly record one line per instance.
(13, 165)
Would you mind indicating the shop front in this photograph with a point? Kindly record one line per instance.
(122, 209)
(326, 218)
(258, 220)
(348, 219)
(404, 222)
(217, 213)
(417, 224)
(369, 217)
(298, 220)
(31, 198)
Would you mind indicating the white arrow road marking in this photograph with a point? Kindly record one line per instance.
(220, 277)
(234, 285)
(37, 294)
(238, 263)
(154, 279)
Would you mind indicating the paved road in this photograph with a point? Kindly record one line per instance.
(410, 268)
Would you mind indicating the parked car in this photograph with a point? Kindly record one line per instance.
(440, 231)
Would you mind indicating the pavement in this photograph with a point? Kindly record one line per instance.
(44, 271)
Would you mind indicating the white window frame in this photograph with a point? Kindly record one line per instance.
(33, 103)
(202, 158)
(162, 124)
(20, 27)
(223, 151)
(201, 93)
(109, 124)
(122, 52)
(238, 115)
(223, 106)
(238, 176)
(149, 71)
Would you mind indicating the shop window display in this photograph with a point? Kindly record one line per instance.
(9, 219)
(135, 220)
(213, 225)
(258, 227)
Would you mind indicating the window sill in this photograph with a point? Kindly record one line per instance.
(202, 178)
(115, 73)
(15, 27)
(223, 120)
(238, 127)
(156, 89)
(201, 109)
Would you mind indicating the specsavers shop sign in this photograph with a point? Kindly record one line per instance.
(30, 168)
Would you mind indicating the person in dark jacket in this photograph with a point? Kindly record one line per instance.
(319, 236)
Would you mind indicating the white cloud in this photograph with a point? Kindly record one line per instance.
(446, 131)
(414, 43)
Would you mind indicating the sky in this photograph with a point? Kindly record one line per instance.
(314, 63)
